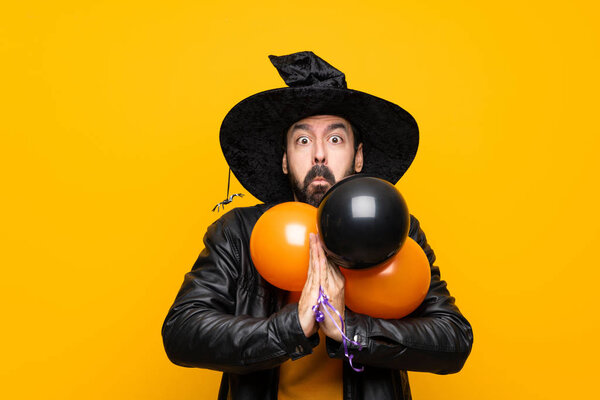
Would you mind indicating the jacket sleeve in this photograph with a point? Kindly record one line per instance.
(434, 338)
(202, 330)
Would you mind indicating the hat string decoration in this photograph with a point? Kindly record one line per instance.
(323, 303)
(228, 198)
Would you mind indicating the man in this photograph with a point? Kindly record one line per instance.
(227, 317)
(320, 149)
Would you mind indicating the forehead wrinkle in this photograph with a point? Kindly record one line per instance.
(304, 127)
(308, 127)
(335, 126)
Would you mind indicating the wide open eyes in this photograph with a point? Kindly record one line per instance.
(303, 140)
(333, 139)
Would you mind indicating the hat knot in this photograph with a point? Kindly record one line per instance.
(305, 68)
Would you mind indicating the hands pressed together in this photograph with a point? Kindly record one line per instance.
(321, 273)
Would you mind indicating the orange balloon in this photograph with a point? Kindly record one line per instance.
(393, 289)
(279, 244)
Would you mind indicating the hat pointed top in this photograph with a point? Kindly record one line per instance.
(305, 68)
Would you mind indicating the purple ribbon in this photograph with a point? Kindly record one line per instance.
(323, 302)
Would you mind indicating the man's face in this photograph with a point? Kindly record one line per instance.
(320, 152)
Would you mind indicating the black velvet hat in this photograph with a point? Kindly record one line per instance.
(252, 132)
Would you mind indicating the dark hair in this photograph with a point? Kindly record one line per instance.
(355, 131)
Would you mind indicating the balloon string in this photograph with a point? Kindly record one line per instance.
(228, 181)
(323, 302)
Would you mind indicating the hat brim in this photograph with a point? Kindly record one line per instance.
(252, 132)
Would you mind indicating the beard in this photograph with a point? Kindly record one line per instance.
(313, 195)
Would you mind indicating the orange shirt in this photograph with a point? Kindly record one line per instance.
(315, 376)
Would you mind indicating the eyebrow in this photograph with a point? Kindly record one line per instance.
(307, 127)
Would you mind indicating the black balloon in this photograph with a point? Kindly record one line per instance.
(363, 221)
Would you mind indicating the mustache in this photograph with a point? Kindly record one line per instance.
(319, 170)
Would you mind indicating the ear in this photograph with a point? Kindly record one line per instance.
(358, 158)
(284, 163)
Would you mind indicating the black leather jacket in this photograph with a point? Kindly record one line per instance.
(226, 317)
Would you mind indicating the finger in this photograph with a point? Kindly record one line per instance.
(323, 268)
(332, 277)
(318, 271)
(312, 278)
(316, 276)
(321, 251)
(336, 273)
(309, 276)
(309, 273)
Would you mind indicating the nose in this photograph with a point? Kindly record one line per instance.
(320, 153)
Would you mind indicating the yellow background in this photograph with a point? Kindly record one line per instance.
(110, 160)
